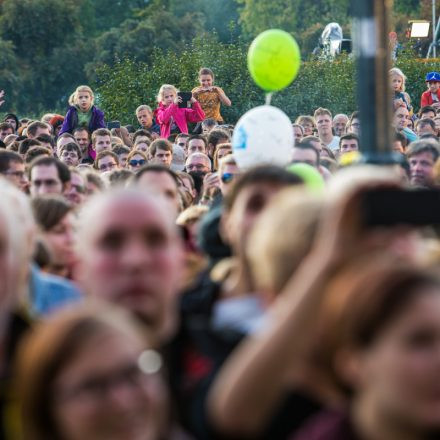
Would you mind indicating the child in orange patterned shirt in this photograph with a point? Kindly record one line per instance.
(209, 96)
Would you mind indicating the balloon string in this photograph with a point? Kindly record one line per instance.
(268, 98)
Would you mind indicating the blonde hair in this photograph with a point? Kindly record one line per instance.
(73, 100)
(397, 72)
(162, 90)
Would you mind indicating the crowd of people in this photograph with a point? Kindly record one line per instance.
(153, 289)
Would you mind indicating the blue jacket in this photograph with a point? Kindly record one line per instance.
(71, 120)
(49, 292)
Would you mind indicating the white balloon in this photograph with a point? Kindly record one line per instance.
(263, 135)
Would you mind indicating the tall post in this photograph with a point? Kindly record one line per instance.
(434, 29)
(370, 38)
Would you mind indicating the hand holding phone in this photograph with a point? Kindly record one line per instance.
(185, 101)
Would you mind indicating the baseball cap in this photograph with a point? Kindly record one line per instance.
(432, 76)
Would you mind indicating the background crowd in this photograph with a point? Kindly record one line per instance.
(152, 288)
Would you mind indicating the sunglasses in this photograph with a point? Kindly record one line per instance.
(135, 163)
(227, 177)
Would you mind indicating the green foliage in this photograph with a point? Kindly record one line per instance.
(328, 84)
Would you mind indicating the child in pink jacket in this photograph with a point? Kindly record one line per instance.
(170, 116)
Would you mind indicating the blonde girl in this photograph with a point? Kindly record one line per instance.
(172, 118)
(397, 83)
(82, 112)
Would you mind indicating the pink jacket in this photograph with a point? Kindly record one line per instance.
(181, 116)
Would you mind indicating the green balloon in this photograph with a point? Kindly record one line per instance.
(311, 176)
(273, 60)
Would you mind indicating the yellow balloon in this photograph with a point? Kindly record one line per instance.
(274, 59)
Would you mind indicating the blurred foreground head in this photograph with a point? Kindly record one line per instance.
(130, 254)
(89, 374)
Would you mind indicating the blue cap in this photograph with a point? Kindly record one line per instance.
(432, 76)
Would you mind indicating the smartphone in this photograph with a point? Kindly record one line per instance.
(113, 124)
(395, 206)
(186, 99)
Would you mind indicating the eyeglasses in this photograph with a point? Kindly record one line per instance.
(135, 163)
(198, 167)
(227, 177)
(107, 166)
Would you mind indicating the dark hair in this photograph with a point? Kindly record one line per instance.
(49, 211)
(71, 146)
(308, 146)
(400, 137)
(184, 175)
(63, 169)
(80, 128)
(216, 135)
(119, 177)
(130, 128)
(141, 132)
(270, 174)
(6, 157)
(34, 126)
(26, 144)
(349, 137)
(46, 138)
(156, 168)
(426, 109)
(105, 153)
(34, 152)
(198, 136)
(426, 121)
(120, 149)
(6, 125)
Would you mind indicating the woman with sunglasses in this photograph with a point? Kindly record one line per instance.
(228, 170)
(136, 159)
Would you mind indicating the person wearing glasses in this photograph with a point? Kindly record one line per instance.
(12, 168)
(106, 161)
(135, 160)
(228, 170)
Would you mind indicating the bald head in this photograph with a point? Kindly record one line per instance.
(131, 255)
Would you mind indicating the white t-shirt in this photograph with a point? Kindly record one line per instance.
(334, 144)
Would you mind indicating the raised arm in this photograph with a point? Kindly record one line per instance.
(223, 98)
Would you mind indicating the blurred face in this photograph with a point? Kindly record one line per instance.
(348, 145)
(400, 373)
(123, 159)
(437, 124)
(196, 146)
(308, 156)
(145, 118)
(194, 164)
(355, 126)
(297, 133)
(168, 97)
(70, 158)
(136, 162)
(429, 114)
(107, 163)
(229, 173)
(206, 81)
(398, 147)
(339, 125)
(84, 101)
(248, 205)
(45, 180)
(41, 130)
(421, 168)
(434, 86)
(60, 240)
(82, 139)
(16, 174)
(396, 83)
(142, 146)
(163, 184)
(102, 143)
(132, 257)
(102, 394)
(182, 142)
(163, 157)
(13, 122)
(308, 128)
(424, 129)
(223, 152)
(401, 117)
(5, 267)
(5, 132)
(324, 124)
(76, 192)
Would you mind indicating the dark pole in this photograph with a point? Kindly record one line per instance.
(370, 38)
